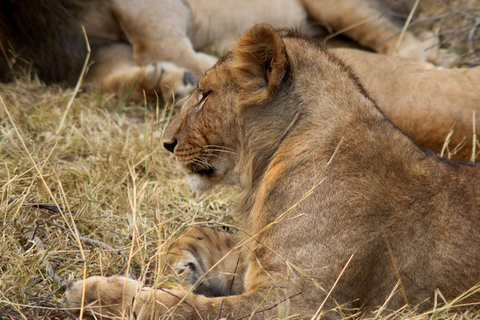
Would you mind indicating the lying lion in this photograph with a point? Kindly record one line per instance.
(340, 208)
(146, 47)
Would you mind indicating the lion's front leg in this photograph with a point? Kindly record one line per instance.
(114, 70)
(118, 297)
(210, 258)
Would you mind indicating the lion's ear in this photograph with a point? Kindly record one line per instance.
(259, 62)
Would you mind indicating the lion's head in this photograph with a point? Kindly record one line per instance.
(204, 134)
(235, 119)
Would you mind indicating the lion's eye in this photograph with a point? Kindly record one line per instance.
(205, 95)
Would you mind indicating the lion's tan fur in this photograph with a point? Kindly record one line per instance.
(330, 187)
(439, 108)
(210, 258)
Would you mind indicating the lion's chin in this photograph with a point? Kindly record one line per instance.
(199, 183)
(203, 181)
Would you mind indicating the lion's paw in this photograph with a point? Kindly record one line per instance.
(172, 81)
(413, 48)
(425, 47)
(443, 58)
(107, 297)
(436, 55)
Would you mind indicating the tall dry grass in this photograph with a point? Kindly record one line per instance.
(98, 197)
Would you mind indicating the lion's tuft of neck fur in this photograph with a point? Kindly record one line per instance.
(320, 101)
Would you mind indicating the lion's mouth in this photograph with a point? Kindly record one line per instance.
(202, 169)
(205, 171)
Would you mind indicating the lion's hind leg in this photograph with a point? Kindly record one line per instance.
(365, 21)
(114, 70)
(158, 31)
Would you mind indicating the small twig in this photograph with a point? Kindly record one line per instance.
(100, 244)
(341, 31)
(471, 34)
(10, 66)
(51, 272)
(5, 226)
(220, 311)
(474, 138)
(36, 243)
(51, 207)
(118, 233)
(333, 287)
(69, 314)
(458, 147)
(128, 272)
(231, 287)
(56, 208)
(395, 268)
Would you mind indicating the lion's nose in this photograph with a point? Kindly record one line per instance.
(170, 145)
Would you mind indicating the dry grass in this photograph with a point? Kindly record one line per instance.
(111, 178)
(95, 199)
(457, 24)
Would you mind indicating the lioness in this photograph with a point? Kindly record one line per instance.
(339, 207)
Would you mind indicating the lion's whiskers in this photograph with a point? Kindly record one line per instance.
(202, 161)
(225, 151)
(219, 149)
(218, 146)
(215, 155)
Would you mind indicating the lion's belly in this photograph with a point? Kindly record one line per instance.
(216, 24)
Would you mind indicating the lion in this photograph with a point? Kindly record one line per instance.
(339, 208)
(147, 48)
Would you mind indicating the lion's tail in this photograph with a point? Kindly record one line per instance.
(43, 34)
